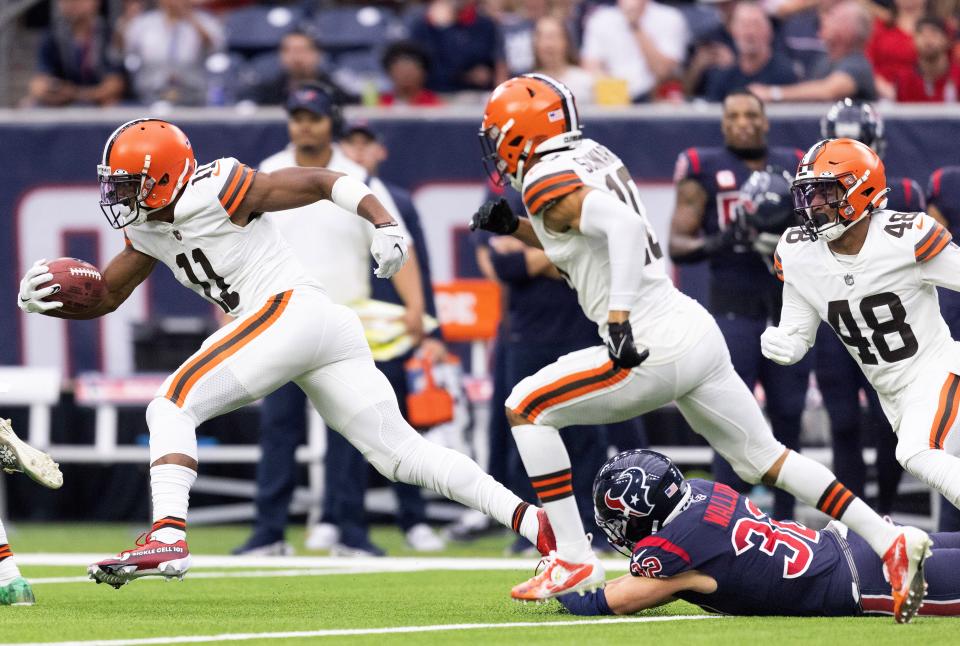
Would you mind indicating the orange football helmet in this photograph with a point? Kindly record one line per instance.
(146, 162)
(525, 116)
(842, 175)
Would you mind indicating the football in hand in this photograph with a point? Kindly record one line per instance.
(81, 285)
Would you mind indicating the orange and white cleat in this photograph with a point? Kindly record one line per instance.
(546, 541)
(561, 577)
(903, 565)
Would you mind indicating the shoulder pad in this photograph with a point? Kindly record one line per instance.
(929, 236)
(225, 180)
(658, 557)
(548, 181)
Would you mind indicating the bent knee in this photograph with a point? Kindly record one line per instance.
(907, 450)
(514, 418)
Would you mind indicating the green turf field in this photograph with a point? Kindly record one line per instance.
(241, 603)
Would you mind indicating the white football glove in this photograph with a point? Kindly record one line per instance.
(29, 297)
(389, 249)
(780, 346)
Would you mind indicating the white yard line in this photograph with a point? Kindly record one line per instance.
(347, 632)
(381, 564)
(249, 574)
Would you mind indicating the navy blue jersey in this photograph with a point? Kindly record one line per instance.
(943, 191)
(740, 282)
(761, 566)
(905, 196)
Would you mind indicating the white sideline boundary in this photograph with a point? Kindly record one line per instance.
(374, 564)
(347, 632)
(298, 566)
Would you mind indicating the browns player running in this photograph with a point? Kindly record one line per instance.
(661, 346)
(872, 274)
(203, 222)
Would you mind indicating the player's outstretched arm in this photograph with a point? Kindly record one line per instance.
(128, 269)
(631, 594)
(290, 188)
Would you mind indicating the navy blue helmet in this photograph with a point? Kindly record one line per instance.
(766, 203)
(854, 120)
(633, 494)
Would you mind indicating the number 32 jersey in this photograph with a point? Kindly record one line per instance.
(762, 566)
(236, 268)
(663, 319)
(882, 303)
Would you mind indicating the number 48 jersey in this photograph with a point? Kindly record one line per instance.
(236, 268)
(882, 303)
(661, 317)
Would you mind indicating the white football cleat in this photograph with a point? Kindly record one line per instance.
(16, 456)
(561, 577)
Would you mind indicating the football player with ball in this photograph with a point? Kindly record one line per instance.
(204, 223)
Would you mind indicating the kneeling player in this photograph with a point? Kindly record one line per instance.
(704, 543)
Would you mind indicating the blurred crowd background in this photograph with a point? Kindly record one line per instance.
(427, 53)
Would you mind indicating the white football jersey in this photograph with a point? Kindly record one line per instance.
(236, 268)
(882, 303)
(661, 317)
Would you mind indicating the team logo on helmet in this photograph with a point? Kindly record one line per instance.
(630, 494)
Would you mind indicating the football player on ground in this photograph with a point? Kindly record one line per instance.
(872, 274)
(203, 222)
(661, 346)
(16, 456)
(704, 543)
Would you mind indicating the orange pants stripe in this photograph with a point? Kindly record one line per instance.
(946, 411)
(226, 347)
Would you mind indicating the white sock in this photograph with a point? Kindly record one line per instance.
(816, 485)
(939, 470)
(170, 485)
(8, 566)
(547, 463)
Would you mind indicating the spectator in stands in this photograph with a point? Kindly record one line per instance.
(891, 47)
(165, 51)
(754, 63)
(301, 62)
(76, 64)
(555, 55)
(407, 65)
(463, 44)
(713, 47)
(935, 78)
(845, 72)
(640, 41)
(517, 28)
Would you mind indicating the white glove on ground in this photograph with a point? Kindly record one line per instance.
(389, 249)
(30, 297)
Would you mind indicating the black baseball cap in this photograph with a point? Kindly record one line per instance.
(364, 128)
(312, 98)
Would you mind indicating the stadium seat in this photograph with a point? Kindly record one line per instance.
(353, 28)
(257, 29)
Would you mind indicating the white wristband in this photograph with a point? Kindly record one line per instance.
(347, 193)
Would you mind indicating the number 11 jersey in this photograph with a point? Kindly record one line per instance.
(882, 303)
(236, 268)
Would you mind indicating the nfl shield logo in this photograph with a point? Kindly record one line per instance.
(726, 179)
(848, 279)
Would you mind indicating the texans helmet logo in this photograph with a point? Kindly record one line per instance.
(630, 493)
